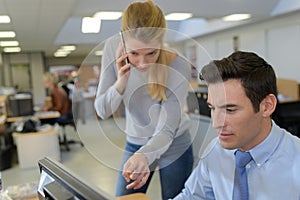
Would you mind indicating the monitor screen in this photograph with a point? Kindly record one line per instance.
(20, 105)
(57, 182)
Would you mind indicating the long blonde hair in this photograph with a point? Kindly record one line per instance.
(146, 22)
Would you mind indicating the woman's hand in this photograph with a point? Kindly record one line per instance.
(122, 69)
(136, 168)
(45, 108)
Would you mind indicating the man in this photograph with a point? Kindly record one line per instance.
(242, 97)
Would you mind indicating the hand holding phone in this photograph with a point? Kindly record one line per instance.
(124, 47)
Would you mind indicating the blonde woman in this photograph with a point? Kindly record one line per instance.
(59, 99)
(153, 87)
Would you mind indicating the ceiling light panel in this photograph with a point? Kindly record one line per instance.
(236, 17)
(68, 47)
(178, 16)
(108, 15)
(99, 53)
(9, 43)
(5, 19)
(7, 34)
(11, 49)
(90, 25)
(60, 54)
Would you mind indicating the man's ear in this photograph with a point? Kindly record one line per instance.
(268, 105)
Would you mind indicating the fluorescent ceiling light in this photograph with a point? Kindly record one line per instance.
(60, 54)
(108, 15)
(11, 49)
(4, 19)
(63, 51)
(178, 16)
(7, 34)
(90, 25)
(236, 17)
(68, 47)
(99, 53)
(9, 43)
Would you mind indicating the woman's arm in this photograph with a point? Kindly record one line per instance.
(110, 88)
(171, 111)
(136, 168)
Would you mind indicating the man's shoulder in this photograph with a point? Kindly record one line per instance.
(292, 142)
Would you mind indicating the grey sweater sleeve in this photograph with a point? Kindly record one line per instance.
(108, 98)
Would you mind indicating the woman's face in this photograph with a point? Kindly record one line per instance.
(141, 55)
(47, 83)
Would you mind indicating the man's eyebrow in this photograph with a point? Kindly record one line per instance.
(229, 106)
(223, 106)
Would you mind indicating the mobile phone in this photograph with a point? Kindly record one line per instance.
(124, 47)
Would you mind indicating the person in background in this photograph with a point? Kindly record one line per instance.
(59, 99)
(242, 97)
(78, 102)
(153, 86)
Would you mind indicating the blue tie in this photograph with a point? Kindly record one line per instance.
(240, 189)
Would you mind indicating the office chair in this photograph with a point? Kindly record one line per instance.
(287, 116)
(64, 140)
(68, 122)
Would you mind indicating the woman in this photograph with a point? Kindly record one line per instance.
(153, 87)
(59, 100)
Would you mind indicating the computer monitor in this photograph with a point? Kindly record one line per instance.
(197, 101)
(20, 104)
(58, 183)
(287, 116)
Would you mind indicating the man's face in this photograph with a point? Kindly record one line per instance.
(233, 116)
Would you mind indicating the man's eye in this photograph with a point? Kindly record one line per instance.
(230, 110)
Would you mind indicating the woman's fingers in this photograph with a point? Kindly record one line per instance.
(139, 181)
(136, 169)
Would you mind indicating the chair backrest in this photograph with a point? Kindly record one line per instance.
(65, 87)
(287, 116)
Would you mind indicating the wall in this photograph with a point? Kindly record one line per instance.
(38, 64)
(277, 40)
(35, 61)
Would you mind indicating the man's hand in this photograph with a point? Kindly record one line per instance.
(136, 168)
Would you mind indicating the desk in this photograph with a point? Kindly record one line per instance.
(2, 124)
(39, 115)
(136, 196)
(31, 147)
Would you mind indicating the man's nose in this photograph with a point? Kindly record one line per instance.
(218, 119)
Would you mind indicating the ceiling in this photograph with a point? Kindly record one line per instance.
(44, 25)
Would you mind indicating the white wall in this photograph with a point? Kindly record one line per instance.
(277, 40)
(36, 63)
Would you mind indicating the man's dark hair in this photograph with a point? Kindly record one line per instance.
(256, 75)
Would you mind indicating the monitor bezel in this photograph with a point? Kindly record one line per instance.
(67, 179)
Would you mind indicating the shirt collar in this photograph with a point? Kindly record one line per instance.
(266, 148)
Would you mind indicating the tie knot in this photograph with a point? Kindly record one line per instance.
(242, 158)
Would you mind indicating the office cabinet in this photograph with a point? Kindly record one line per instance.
(31, 147)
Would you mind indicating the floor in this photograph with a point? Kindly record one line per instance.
(96, 163)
